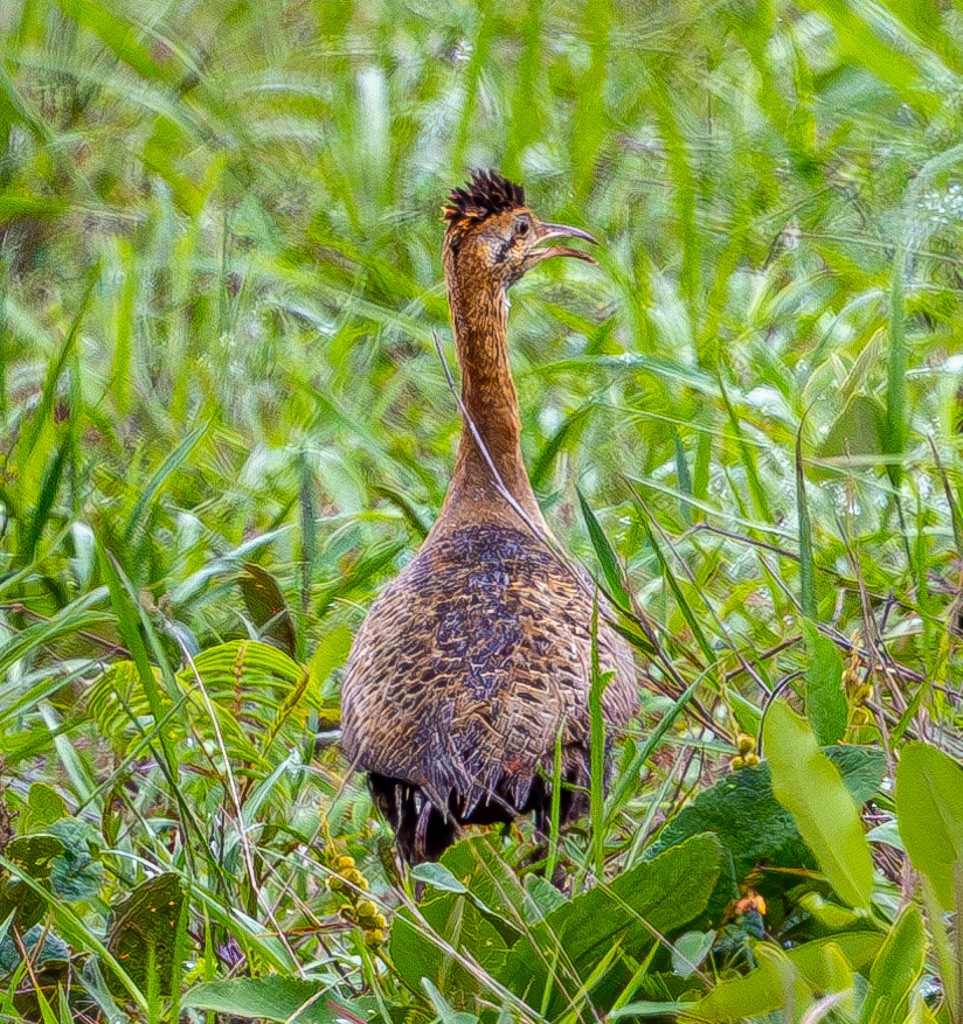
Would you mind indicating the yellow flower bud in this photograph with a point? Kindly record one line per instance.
(745, 743)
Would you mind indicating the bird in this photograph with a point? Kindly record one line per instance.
(476, 660)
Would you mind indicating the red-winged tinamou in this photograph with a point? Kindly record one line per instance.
(478, 655)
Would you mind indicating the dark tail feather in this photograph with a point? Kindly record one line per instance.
(422, 831)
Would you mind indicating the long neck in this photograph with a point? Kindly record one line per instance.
(479, 315)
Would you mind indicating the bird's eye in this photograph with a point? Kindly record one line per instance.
(521, 227)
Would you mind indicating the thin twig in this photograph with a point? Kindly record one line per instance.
(765, 656)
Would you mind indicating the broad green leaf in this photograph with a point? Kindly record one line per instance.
(832, 916)
(810, 787)
(34, 856)
(420, 942)
(826, 706)
(19, 747)
(621, 917)
(929, 806)
(822, 964)
(77, 873)
(44, 806)
(689, 950)
(896, 970)
(143, 934)
(544, 896)
(332, 651)
(53, 949)
(478, 866)
(271, 998)
(857, 431)
(755, 828)
(438, 877)
(17, 898)
(267, 606)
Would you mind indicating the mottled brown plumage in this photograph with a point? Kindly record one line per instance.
(478, 654)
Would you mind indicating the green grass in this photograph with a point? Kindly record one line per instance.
(223, 421)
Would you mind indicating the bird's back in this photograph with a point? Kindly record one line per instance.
(471, 662)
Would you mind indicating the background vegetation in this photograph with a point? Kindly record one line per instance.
(223, 426)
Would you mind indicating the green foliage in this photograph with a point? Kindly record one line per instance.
(243, 695)
(287, 1000)
(826, 706)
(929, 801)
(793, 977)
(551, 956)
(742, 811)
(896, 969)
(143, 936)
(223, 427)
(810, 787)
(593, 940)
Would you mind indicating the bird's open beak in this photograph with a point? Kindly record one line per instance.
(548, 232)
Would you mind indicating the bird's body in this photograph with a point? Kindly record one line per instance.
(477, 658)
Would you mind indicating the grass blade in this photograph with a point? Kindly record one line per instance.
(606, 555)
(807, 569)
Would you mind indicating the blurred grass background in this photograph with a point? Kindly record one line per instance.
(219, 279)
(221, 273)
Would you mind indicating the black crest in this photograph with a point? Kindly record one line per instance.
(485, 194)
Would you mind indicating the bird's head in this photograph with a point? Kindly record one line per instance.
(493, 234)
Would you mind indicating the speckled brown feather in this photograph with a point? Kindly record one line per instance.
(478, 654)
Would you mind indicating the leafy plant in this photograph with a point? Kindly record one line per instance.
(223, 427)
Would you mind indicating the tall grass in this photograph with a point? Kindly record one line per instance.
(223, 420)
